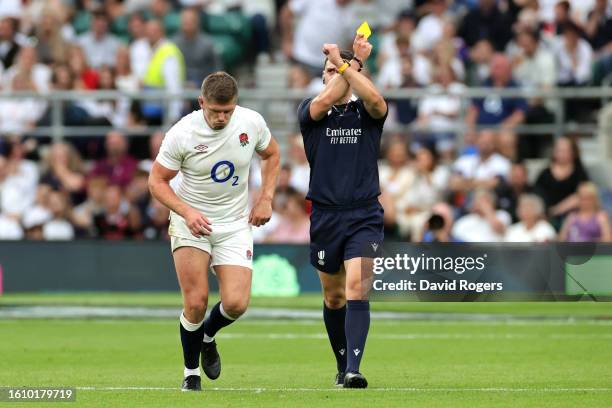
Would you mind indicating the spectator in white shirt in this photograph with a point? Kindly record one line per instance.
(430, 28)
(574, 57)
(140, 49)
(28, 65)
(316, 23)
(19, 115)
(534, 66)
(484, 223)
(99, 45)
(18, 181)
(532, 226)
(300, 170)
(483, 170)
(439, 110)
(426, 189)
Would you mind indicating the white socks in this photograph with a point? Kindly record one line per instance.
(187, 325)
(191, 371)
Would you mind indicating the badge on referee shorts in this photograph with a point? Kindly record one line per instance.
(321, 255)
(249, 254)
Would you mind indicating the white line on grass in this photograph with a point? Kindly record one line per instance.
(390, 389)
(419, 336)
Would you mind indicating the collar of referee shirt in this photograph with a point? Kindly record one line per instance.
(334, 107)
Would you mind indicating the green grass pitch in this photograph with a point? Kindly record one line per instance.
(493, 362)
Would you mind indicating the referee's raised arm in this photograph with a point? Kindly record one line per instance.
(335, 86)
(373, 101)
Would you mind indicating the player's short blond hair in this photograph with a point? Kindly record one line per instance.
(219, 87)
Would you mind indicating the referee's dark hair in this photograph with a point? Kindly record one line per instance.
(219, 87)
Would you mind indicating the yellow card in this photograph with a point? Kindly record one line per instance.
(365, 30)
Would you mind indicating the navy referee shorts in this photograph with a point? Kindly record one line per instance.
(338, 234)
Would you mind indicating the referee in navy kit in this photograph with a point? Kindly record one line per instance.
(342, 135)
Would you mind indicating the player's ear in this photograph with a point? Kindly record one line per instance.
(201, 101)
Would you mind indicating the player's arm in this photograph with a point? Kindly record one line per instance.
(159, 185)
(364, 88)
(270, 167)
(335, 89)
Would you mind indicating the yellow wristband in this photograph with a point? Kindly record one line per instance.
(343, 68)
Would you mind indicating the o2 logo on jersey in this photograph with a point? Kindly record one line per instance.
(223, 171)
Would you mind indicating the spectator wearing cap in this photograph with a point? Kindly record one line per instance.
(99, 45)
(33, 221)
(118, 166)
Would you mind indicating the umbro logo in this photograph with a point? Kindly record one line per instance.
(201, 148)
(356, 351)
(341, 351)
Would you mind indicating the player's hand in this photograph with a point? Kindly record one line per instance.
(261, 212)
(361, 48)
(197, 223)
(333, 54)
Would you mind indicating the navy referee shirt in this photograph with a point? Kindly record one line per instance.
(342, 150)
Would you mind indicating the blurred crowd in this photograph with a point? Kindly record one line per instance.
(434, 186)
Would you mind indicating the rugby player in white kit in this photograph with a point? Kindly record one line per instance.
(210, 223)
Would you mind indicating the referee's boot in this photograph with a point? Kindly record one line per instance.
(192, 383)
(211, 362)
(355, 380)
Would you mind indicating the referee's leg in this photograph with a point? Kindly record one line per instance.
(192, 272)
(334, 312)
(357, 323)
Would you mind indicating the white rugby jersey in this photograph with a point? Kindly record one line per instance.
(214, 164)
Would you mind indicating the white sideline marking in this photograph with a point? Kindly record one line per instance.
(391, 389)
(419, 336)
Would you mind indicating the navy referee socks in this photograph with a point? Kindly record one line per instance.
(357, 324)
(334, 324)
